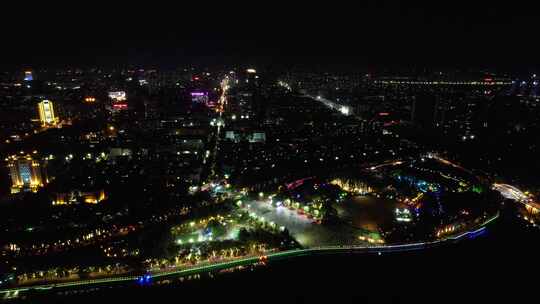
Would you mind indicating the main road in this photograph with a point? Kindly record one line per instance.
(343, 109)
(513, 193)
(222, 102)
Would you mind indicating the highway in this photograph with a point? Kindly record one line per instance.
(246, 261)
(343, 109)
(513, 193)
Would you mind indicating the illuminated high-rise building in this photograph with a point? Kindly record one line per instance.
(199, 97)
(47, 116)
(251, 76)
(118, 102)
(27, 173)
(28, 76)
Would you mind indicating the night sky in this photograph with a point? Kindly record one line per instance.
(276, 32)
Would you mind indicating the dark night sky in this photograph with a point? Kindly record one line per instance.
(453, 33)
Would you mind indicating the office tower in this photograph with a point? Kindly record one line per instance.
(28, 76)
(118, 101)
(251, 77)
(47, 116)
(199, 97)
(27, 173)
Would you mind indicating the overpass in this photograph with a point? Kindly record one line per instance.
(513, 193)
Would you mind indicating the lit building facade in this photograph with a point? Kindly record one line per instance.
(47, 116)
(352, 185)
(251, 76)
(76, 196)
(118, 102)
(28, 76)
(199, 97)
(27, 173)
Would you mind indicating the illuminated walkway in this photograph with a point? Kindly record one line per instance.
(252, 260)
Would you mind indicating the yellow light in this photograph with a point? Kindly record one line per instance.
(102, 196)
(90, 200)
(46, 113)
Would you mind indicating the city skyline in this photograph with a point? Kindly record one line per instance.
(290, 153)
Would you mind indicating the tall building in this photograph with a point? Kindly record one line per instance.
(118, 102)
(27, 173)
(199, 97)
(47, 116)
(28, 76)
(251, 77)
(424, 110)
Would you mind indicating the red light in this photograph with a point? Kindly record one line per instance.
(120, 106)
(384, 114)
(488, 79)
(297, 183)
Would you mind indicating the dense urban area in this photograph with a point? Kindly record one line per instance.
(156, 176)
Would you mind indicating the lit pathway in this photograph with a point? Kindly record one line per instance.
(251, 260)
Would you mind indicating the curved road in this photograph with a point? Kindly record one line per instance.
(254, 259)
(513, 193)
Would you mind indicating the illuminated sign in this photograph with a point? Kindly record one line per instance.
(199, 97)
(297, 183)
(118, 95)
(120, 106)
